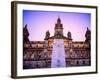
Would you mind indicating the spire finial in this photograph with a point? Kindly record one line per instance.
(25, 25)
(87, 28)
(58, 20)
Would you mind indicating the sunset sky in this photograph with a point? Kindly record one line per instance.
(38, 22)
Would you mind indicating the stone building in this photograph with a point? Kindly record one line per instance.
(37, 54)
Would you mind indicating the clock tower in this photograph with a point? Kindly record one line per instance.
(58, 27)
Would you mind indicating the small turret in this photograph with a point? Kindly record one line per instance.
(47, 35)
(25, 34)
(69, 35)
(88, 35)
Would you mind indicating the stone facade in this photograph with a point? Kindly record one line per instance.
(37, 54)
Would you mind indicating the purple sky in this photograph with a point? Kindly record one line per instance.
(40, 21)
